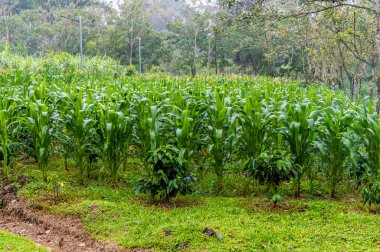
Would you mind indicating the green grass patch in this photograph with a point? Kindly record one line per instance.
(12, 242)
(247, 223)
(321, 225)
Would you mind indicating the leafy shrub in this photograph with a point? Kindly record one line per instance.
(271, 168)
(168, 177)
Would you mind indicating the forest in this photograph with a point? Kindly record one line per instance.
(231, 125)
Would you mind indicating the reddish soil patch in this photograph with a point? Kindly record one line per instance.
(59, 233)
(56, 232)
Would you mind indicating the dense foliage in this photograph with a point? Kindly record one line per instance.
(273, 129)
(323, 40)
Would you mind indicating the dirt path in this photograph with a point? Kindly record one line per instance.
(57, 233)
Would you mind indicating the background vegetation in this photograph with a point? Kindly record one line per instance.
(280, 105)
(332, 42)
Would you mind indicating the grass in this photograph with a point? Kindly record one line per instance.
(246, 223)
(321, 225)
(12, 242)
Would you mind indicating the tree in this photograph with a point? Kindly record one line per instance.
(313, 8)
(188, 39)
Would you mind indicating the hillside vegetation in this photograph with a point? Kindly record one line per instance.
(260, 156)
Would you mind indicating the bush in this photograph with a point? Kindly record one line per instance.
(168, 177)
(271, 168)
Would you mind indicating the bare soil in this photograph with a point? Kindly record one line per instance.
(56, 232)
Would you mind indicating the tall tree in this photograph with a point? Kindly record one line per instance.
(311, 8)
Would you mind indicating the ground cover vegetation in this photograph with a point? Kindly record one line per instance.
(271, 130)
(8, 241)
(282, 140)
(104, 145)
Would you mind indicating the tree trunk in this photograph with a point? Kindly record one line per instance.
(194, 67)
(353, 85)
(377, 41)
(209, 56)
(377, 80)
(254, 71)
(216, 55)
(341, 79)
(131, 53)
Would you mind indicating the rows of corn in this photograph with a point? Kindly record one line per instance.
(274, 130)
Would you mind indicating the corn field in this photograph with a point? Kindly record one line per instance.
(273, 130)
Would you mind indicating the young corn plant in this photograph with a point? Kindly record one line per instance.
(256, 119)
(168, 141)
(147, 126)
(5, 121)
(335, 136)
(79, 128)
(39, 124)
(187, 126)
(115, 129)
(221, 133)
(300, 125)
(371, 193)
(370, 128)
(159, 157)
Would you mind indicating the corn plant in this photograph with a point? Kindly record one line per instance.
(370, 128)
(168, 142)
(115, 129)
(39, 123)
(79, 128)
(187, 125)
(147, 126)
(5, 121)
(371, 193)
(220, 132)
(256, 120)
(299, 129)
(336, 139)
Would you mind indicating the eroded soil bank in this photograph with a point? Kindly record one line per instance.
(56, 232)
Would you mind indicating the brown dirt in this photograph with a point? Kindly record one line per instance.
(58, 233)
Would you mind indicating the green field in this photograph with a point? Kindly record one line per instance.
(11, 242)
(151, 161)
(247, 223)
